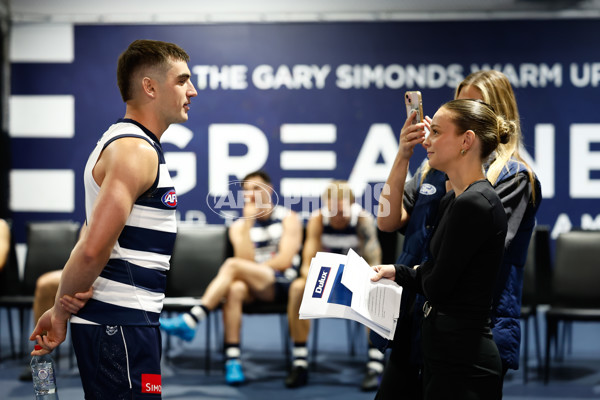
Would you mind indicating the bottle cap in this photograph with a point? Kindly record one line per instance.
(37, 347)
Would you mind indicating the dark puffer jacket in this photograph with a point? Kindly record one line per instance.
(515, 191)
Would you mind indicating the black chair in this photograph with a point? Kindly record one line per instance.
(10, 289)
(575, 294)
(198, 254)
(536, 266)
(49, 245)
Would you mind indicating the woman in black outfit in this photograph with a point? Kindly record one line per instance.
(461, 360)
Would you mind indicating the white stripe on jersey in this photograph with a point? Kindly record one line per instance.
(120, 294)
(152, 218)
(264, 253)
(164, 178)
(262, 234)
(142, 258)
(339, 241)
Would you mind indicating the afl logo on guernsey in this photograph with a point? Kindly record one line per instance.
(427, 189)
(169, 199)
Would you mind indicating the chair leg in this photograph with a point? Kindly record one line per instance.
(315, 341)
(570, 338)
(349, 333)
(551, 330)
(207, 350)
(564, 340)
(538, 350)
(526, 350)
(285, 340)
(22, 333)
(220, 338)
(11, 334)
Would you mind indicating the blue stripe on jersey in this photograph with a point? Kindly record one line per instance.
(110, 314)
(349, 230)
(349, 233)
(155, 199)
(262, 243)
(149, 240)
(130, 274)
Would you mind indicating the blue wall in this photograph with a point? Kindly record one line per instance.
(259, 82)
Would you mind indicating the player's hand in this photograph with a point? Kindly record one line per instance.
(72, 304)
(54, 323)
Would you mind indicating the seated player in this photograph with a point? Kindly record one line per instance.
(337, 227)
(266, 243)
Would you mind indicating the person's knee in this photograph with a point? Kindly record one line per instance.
(230, 266)
(47, 284)
(238, 291)
(297, 288)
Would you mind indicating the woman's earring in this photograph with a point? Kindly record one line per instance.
(463, 152)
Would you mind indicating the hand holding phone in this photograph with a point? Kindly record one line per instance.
(413, 101)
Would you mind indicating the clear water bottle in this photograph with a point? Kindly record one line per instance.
(44, 382)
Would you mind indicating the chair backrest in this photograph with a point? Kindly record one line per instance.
(543, 265)
(49, 245)
(198, 254)
(529, 297)
(10, 283)
(576, 280)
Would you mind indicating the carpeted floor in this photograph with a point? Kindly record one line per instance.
(337, 374)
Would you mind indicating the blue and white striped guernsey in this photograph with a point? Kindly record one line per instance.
(266, 236)
(341, 240)
(131, 288)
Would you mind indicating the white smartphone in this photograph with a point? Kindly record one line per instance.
(413, 101)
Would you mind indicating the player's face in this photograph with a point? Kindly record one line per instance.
(257, 192)
(176, 90)
(340, 212)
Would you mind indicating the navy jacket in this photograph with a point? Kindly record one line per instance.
(515, 191)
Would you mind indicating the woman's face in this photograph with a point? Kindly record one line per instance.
(443, 144)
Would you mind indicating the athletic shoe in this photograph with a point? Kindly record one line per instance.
(370, 381)
(297, 377)
(234, 375)
(178, 326)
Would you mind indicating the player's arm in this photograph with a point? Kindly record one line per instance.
(289, 244)
(370, 249)
(239, 236)
(124, 171)
(312, 243)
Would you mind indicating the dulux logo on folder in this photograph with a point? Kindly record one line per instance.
(320, 286)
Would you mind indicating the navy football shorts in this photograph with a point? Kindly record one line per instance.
(283, 280)
(118, 362)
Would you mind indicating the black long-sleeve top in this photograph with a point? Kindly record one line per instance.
(466, 251)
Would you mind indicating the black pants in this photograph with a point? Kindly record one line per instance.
(461, 360)
(402, 374)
